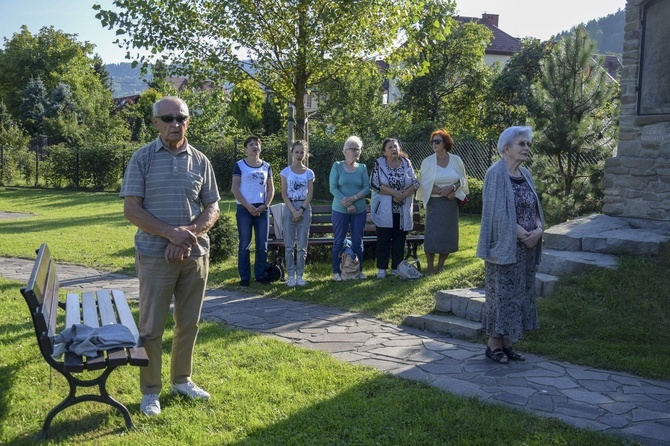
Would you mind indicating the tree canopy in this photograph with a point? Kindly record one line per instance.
(287, 46)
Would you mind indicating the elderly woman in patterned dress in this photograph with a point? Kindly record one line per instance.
(510, 242)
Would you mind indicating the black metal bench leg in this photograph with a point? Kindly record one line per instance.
(411, 253)
(72, 399)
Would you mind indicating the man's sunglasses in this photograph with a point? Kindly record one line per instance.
(168, 119)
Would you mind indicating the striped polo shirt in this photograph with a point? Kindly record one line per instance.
(174, 188)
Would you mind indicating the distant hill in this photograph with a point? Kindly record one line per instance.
(608, 32)
(126, 80)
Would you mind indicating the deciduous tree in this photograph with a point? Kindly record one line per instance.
(287, 46)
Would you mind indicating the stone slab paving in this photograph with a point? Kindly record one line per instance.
(601, 400)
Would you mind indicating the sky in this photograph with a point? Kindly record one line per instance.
(519, 18)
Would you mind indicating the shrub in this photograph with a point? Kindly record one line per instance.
(474, 204)
(223, 239)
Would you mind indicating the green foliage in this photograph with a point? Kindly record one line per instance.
(475, 202)
(295, 45)
(34, 106)
(578, 109)
(510, 99)
(97, 167)
(351, 104)
(448, 80)
(62, 166)
(53, 86)
(223, 239)
(273, 116)
(13, 147)
(587, 189)
(246, 106)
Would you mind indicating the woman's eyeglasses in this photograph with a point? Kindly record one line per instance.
(524, 143)
(436, 141)
(168, 119)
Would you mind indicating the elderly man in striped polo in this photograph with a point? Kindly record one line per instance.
(170, 194)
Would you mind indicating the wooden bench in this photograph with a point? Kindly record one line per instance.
(94, 309)
(321, 232)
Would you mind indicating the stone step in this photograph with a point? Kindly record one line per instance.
(563, 263)
(604, 234)
(465, 303)
(545, 284)
(445, 324)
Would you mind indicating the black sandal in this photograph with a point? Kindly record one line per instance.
(513, 354)
(497, 355)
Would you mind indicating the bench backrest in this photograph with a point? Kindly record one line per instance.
(322, 222)
(41, 295)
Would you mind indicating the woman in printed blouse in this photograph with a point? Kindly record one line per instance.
(297, 189)
(443, 183)
(349, 185)
(393, 185)
(253, 191)
(510, 242)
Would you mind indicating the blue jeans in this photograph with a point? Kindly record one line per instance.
(261, 227)
(342, 222)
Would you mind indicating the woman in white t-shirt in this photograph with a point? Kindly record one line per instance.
(297, 189)
(253, 191)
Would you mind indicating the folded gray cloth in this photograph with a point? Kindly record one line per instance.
(88, 341)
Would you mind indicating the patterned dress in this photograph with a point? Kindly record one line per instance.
(510, 289)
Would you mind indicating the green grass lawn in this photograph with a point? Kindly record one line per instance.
(264, 392)
(267, 392)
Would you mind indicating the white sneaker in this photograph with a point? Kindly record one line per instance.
(337, 277)
(191, 390)
(150, 405)
(381, 274)
(300, 282)
(290, 281)
(362, 276)
(394, 272)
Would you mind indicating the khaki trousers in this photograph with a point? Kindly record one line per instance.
(159, 282)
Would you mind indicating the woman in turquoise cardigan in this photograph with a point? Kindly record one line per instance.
(349, 185)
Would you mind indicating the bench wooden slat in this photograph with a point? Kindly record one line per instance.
(72, 310)
(89, 309)
(50, 306)
(115, 357)
(137, 356)
(105, 308)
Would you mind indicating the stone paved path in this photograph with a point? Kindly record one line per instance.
(613, 402)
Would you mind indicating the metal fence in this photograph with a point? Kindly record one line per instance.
(477, 157)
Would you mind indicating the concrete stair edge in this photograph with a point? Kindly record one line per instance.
(445, 324)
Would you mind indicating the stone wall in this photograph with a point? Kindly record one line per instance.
(637, 179)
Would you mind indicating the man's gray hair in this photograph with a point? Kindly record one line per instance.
(169, 98)
(508, 136)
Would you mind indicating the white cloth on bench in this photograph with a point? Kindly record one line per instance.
(278, 215)
(85, 340)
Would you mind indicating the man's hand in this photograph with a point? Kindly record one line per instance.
(183, 237)
(174, 252)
